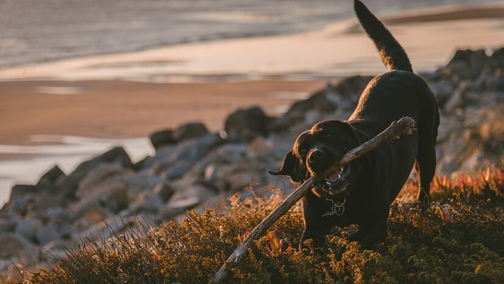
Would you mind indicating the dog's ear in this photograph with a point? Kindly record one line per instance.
(290, 167)
(359, 136)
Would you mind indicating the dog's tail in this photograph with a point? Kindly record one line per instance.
(391, 52)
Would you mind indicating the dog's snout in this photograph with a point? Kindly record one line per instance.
(316, 155)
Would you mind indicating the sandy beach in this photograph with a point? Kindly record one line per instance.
(141, 92)
(132, 94)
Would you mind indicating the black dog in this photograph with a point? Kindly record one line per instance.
(361, 192)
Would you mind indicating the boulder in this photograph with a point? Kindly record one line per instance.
(457, 100)
(20, 190)
(70, 184)
(195, 149)
(177, 207)
(443, 91)
(116, 199)
(259, 146)
(318, 102)
(466, 64)
(198, 189)
(28, 228)
(12, 244)
(151, 201)
(245, 124)
(56, 214)
(187, 152)
(21, 204)
(177, 170)
(162, 138)
(241, 178)
(52, 177)
(190, 131)
(164, 191)
(7, 225)
(87, 214)
(48, 233)
(97, 176)
(45, 201)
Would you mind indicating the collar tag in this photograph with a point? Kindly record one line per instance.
(337, 209)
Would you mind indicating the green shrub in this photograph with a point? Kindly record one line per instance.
(459, 239)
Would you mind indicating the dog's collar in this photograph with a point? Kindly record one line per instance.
(337, 209)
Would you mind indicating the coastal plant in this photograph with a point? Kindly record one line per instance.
(458, 239)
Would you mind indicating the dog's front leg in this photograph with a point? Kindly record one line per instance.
(316, 225)
(370, 232)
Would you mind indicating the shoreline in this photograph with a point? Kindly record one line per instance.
(278, 56)
(129, 95)
(76, 36)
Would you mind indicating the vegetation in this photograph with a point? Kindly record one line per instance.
(459, 239)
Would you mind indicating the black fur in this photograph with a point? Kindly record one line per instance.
(371, 183)
(391, 52)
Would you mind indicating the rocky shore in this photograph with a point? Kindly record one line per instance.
(195, 169)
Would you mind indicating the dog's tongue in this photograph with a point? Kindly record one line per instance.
(334, 176)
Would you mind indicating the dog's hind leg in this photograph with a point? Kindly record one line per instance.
(425, 164)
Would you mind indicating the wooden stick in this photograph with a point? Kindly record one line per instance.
(394, 131)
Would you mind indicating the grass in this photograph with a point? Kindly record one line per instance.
(459, 239)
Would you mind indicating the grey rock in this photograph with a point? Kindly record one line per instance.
(162, 158)
(214, 172)
(245, 124)
(195, 149)
(20, 190)
(189, 151)
(56, 213)
(198, 189)
(98, 175)
(177, 207)
(241, 178)
(21, 204)
(260, 146)
(457, 100)
(148, 201)
(466, 64)
(48, 233)
(28, 228)
(12, 244)
(177, 169)
(45, 201)
(87, 214)
(70, 184)
(190, 131)
(52, 177)
(116, 199)
(162, 138)
(164, 191)
(442, 90)
(7, 225)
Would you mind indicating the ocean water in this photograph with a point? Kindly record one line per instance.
(67, 152)
(44, 30)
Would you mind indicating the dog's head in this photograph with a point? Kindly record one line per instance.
(318, 149)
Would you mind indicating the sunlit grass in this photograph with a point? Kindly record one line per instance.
(459, 239)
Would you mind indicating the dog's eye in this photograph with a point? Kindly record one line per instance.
(303, 152)
(329, 135)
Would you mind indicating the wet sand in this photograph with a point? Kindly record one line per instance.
(120, 109)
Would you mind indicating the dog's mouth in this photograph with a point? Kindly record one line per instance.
(336, 182)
